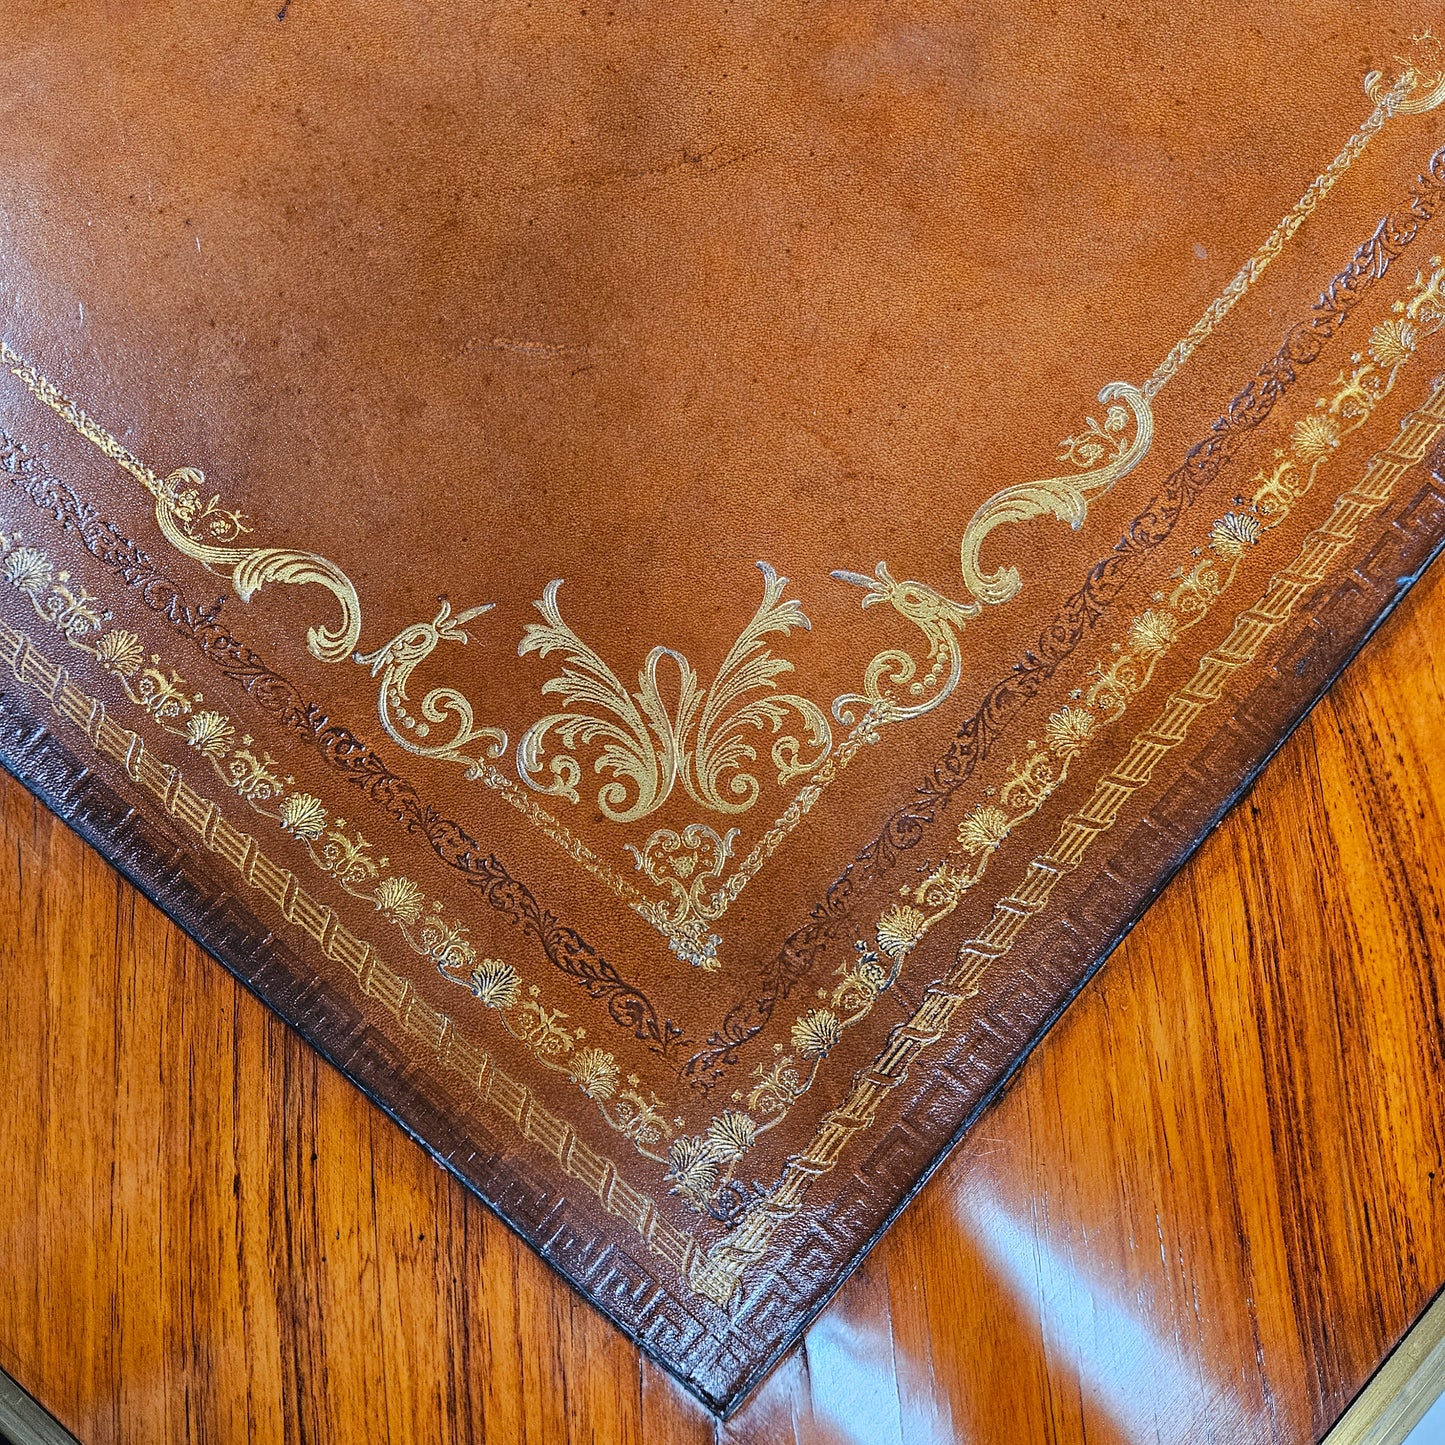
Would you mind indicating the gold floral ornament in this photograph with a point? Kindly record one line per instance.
(120, 652)
(399, 899)
(778, 1087)
(900, 928)
(638, 1119)
(1153, 632)
(252, 776)
(77, 616)
(700, 1166)
(692, 1170)
(732, 1134)
(303, 816)
(29, 570)
(1393, 342)
(210, 733)
(1108, 448)
(494, 983)
(595, 1072)
(679, 732)
(1234, 534)
(346, 857)
(394, 664)
(1068, 730)
(984, 830)
(1315, 437)
(815, 1033)
(498, 987)
(689, 866)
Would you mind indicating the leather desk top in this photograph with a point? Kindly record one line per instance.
(603, 564)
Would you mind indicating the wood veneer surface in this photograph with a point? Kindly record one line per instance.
(1205, 1209)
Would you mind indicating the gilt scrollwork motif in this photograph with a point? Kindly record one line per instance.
(1105, 450)
(672, 730)
(1102, 453)
(895, 685)
(204, 529)
(688, 866)
(468, 744)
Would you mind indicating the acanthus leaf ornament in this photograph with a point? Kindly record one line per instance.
(638, 733)
(747, 672)
(650, 742)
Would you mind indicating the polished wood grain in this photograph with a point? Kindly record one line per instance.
(1207, 1207)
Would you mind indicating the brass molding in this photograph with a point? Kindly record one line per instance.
(1403, 1388)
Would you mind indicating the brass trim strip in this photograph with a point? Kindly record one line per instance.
(1402, 1390)
(25, 1421)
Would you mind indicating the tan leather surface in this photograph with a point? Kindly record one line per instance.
(465, 300)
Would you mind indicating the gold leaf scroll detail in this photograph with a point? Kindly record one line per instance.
(650, 744)
(1425, 91)
(394, 664)
(204, 531)
(893, 688)
(1103, 452)
(689, 866)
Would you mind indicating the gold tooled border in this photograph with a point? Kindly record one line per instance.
(510, 1097)
(1101, 456)
(931, 1021)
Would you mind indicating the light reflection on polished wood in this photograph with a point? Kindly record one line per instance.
(1206, 1209)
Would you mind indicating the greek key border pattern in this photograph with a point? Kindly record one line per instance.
(932, 1020)
(376, 980)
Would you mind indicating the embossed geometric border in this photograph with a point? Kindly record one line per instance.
(722, 1367)
(979, 1064)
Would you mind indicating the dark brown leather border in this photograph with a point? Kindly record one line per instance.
(720, 1358)
(965, 1078)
